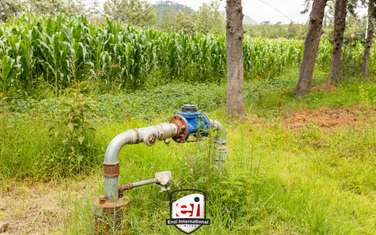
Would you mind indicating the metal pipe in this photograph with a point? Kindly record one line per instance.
(216, 125)
(149, 135)
(144, 182)
(132, 185)
(220, 145)
(163, 179)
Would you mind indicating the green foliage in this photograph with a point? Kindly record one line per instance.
(73, 142)
(132, 12)
(177, 22)
(161, 99)
(47, 147)
(11, 8)
(207, 19)
(59, 51)
(276, 180)
(62, 50)
(45, 7)
(58, 131)
(289, 31)
(8, 9)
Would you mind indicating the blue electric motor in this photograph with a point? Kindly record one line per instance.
(191, 122)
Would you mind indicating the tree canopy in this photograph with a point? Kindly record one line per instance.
(134, 12)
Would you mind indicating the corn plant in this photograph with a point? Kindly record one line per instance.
(62, 50)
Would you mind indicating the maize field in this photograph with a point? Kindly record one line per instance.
(60, 50)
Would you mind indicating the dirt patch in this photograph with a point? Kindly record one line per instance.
(40, 208)
(328, 118)
(324, 88)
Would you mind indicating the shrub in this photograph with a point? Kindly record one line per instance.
(72, 137)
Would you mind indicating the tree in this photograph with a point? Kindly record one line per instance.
(311, 45)
(46, 7)
(235, 70)
(339, 29)
(134, 12)
(53, 7)
(167, 21)
(208, 18)
(8, 8)
(183, 22)
(369, 37)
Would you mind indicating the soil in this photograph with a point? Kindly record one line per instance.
(324, 88)
(329, 118)
(40, 208)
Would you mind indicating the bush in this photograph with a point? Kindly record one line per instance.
(73, 146)
(62, 144)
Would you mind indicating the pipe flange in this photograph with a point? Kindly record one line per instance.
(109, 214)
(103, 205)
(182, 124)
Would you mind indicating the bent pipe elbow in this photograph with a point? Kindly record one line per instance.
(216, 125)
(148, 135)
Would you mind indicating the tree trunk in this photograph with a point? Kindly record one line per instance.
(235, 73)
(339, 29)
(311, 45)
(369, 38)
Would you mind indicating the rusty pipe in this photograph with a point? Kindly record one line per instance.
(163, 179)
(132, 185)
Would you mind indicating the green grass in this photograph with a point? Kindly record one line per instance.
(276, 181)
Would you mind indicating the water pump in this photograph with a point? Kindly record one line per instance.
(186, 124)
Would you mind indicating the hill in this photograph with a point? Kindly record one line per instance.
(164, 7)
(249, 21)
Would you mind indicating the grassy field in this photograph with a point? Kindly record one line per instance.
(295, 166)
